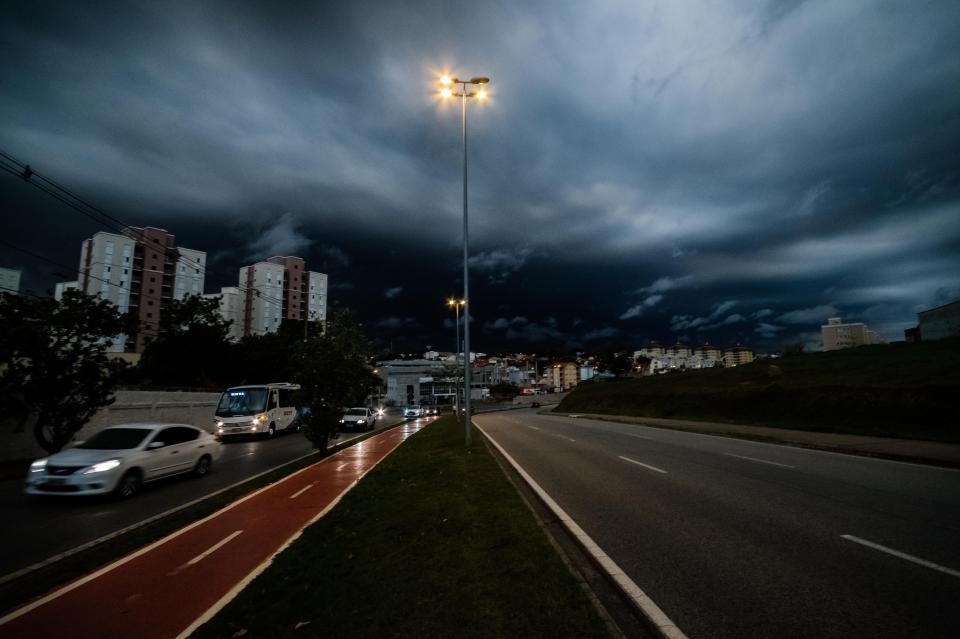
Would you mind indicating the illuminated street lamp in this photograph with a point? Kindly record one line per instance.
(447, 90)
(456, 304)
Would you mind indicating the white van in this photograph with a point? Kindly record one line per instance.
(258, 410)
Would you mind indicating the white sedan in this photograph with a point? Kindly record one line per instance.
(119, 459)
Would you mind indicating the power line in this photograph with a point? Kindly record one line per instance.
(27, 173)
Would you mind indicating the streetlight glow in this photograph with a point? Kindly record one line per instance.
(446, 93)
(445, 79)
(481, 95)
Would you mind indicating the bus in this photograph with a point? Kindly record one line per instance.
(260, 410)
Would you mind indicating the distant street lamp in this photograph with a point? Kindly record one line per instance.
(456, 304)
(446, 91)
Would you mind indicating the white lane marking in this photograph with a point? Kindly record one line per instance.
(56, 594)
(761, 461)
(302, 490)
(648, 607)
(209, 551)
(341, 466)
(243, 583)
(903, 555)
(753, 442)
(569, 439)
(634, 461)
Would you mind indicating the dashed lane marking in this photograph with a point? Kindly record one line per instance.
(760, 461)
(634, 461)
(302, 490)
(903, 555)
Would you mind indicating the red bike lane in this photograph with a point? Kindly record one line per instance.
(170, 587)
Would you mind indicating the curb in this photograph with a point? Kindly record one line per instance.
(49, 561)
(648, 609)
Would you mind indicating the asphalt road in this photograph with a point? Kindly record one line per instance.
(38, 527)
(742, 539)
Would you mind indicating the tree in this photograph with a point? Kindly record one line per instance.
(618, 363)
(191, 347)
(333, 372)
(53, 362)
(793, 349)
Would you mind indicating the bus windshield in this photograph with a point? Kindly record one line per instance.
(238, 402)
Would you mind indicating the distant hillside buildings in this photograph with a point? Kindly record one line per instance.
(936, 323)
(836, 335)
(681, 357)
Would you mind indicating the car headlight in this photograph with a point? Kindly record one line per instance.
(220, 425)
(262, 417)
(361, 421)
(341, 421)
(38, 466)
(102, 467)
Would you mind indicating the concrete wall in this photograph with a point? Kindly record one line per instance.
(130, 406)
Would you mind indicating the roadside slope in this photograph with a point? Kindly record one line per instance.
(895, 390)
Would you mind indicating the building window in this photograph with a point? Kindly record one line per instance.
(153, 279)
(149, 315)
(149, 302)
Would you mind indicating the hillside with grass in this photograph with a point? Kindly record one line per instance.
(893, 390)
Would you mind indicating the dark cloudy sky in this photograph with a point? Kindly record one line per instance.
(723, 171)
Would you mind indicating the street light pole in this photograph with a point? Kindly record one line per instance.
(480, 94)
(455, 303)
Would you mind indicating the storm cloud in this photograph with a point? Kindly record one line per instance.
(640, 168)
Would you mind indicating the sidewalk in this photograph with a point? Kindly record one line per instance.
(910, 450)
(170, 587)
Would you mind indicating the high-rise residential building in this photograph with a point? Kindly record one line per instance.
(141, 271)
(9, 281)
(837, 335)
(737, 356)
(231, 309)
(281, 288)
(59, 289)
(709, 352)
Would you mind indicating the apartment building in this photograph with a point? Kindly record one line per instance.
(280, 288)
(231, 309)
(140, 270)
(940, 322)
(9, 281)
(709, 352)
(836, 335)
(565, 375)
(737, 356)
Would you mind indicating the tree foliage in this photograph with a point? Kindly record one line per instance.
(333, 372)
(54, 364)
(191, 347)
(619, 363)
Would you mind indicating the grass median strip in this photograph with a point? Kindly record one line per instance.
(434, 542)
